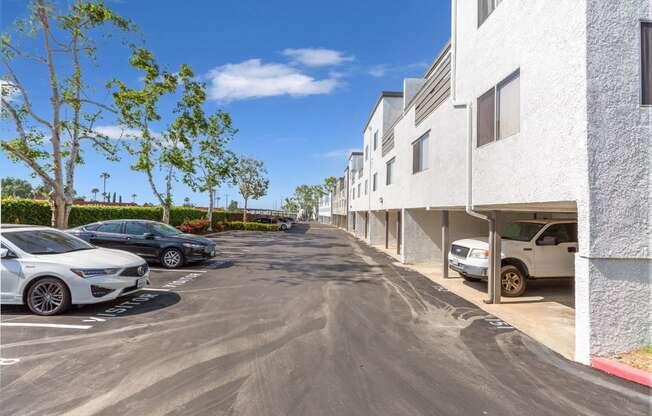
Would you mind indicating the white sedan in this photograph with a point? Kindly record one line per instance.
(49, 270)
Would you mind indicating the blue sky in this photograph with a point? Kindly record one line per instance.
(299, 78)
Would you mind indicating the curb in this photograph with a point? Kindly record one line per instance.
(623, 371)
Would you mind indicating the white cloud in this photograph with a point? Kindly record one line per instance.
(378, 71)
(317, 56)
(255, 79)
(120, 133)
(337, 153)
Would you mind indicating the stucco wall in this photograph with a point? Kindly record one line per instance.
(377, 228)
(422, 236)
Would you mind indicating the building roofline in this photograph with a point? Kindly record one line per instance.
(383, 94)
(444, 50)
(354, 154)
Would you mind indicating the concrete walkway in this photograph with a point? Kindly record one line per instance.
(546, 314)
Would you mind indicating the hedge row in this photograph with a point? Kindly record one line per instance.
(250, 226)
(28, 211)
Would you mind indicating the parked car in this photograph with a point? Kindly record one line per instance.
(534, 249)
(282, 223)
(49, 270)
(151, 240)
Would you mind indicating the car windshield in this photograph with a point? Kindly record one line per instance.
(164, 229)
(46, 241)
(521, 231)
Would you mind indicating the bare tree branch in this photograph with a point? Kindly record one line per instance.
(18, 85)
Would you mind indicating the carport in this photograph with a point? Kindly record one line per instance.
(546, 310)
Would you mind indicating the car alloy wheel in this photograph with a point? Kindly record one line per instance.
(512, 281)
(284, 227)
(171, 258)
(48, 297)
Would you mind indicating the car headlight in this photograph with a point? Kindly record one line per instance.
(195, 246)
(479, 254)
(86, 273)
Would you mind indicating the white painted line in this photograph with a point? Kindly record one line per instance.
(178, 270)
(47, 325)
(9, 361)
(94, 319)
(155, 289)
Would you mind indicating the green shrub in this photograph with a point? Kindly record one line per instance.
(250, 226)
(25, 211)
(29, 211)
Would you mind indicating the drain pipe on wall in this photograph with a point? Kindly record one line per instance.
(493, 287)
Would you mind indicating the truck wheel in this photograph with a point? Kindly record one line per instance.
(469, 278)
(512, 281)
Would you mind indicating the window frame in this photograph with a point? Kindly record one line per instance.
(425, 136)
(389, 171)
(497, 3)
(643, 103)
(375, 140)
(495, 90)
(374, 182)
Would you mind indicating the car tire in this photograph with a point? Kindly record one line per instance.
(512, 281)
(469, 278)
(48, 296)
(284, 227)
(171, 258)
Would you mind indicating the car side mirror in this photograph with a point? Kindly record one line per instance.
(4, 253)
(548, 240)
(149, 236)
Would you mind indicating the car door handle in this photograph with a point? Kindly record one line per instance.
(572, 249)
(527, 249)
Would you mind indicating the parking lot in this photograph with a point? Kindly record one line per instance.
(306, 322)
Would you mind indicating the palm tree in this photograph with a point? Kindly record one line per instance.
(186, 201)
(133, 196)
(105, 176)
(94, 191)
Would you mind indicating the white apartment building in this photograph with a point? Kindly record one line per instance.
(534, 109)
(324, 209)
(340, 200)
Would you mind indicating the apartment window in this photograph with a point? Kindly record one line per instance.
(376, 140)
(499, 111)
(374, 182)
(366, 152)
(646, 63)
(485, 8)
(366, 186)
(420, 153)
(389, 170)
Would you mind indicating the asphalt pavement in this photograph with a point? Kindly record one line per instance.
(309, 322)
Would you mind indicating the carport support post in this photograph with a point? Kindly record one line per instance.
(493, 286)
(445, 243)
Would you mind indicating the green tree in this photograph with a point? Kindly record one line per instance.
(139, 108)
(133, 198)
(252, 181)
(290, 205)
(16, 187)
(104, 176)
(329, 184)
(94, 191)
(52, 146)
(233, 206)
(213, 164)
(307, 198)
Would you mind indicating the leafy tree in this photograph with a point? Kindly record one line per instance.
(307, 198)
(133, 198)
(186, 202)
(233, 206)
(139, 108)
(16, 187)
(114, 197)
(94, 191)
(213, 164)
(120, 199)
(252, 181)
(290, 205)
(52, 146)
(329, 184)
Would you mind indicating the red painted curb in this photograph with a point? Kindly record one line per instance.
(622, 370)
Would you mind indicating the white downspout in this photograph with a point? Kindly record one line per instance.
(494, 238)
(469, 117)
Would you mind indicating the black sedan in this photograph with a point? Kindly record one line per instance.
(151, 240)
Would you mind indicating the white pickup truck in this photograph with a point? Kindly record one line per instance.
(532, 249)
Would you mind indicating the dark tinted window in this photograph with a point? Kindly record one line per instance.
(91, 227)
(486, 116)
(565, 233)
(110, 227)
(163, 229)
(646, 62)
(46, 241)
(521, 231)
(136, 228)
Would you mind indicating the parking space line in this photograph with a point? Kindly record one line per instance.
(46, 325)
(178, 270)
(155, 289)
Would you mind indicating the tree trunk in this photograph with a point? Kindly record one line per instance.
(209, 214)
(166, 213)
(244, 212)
(60, 212)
